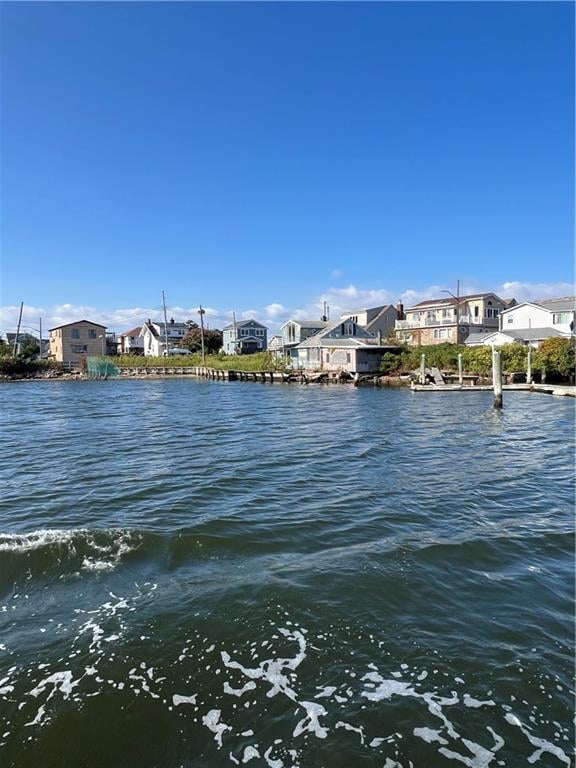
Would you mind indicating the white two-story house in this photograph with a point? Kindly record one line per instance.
(531, 322)
(296, 331)
(154, 336)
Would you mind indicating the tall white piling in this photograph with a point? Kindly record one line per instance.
(423, 369)
(460, 379)
(529, 366)
(497, 378)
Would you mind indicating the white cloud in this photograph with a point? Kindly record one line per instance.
(274, 315)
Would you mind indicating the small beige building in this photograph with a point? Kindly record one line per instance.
(72, 342)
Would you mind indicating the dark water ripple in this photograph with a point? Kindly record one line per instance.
(206, 574)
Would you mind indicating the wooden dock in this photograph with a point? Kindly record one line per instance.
(559, 390)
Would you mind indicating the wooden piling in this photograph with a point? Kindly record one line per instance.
(423, 369)
(497, 378)
(460, 379)
(529, 366)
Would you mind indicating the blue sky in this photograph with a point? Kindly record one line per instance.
(261, 156)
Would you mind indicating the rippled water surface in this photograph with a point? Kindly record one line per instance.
(212, 574)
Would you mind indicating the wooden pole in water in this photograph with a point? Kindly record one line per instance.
(529, 366)
(460, 379)
(497, 378)
(423, 369)
(543, 379)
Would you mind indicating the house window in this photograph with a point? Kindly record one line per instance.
(75, 333)
(510, 319)
(79, 349)
(91, 333)
(561, 317)
(441, 333)
(348, 329)
(492, 313)
(476, 311)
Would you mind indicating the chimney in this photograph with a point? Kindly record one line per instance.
(149, 321)
(171, 321)
(400, 310)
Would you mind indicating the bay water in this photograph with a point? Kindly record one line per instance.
(201, 573)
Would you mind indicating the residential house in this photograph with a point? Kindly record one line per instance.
(154, 335)
(72, 342)
(294, 332)
(436, 321)
(24, 339)
(378, 320)
(342, 346)
(531, 322)
(275, 345)
(131, 342)
(244, 337)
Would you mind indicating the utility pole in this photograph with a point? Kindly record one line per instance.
(458, 312)
(165, 323)
(18, 330)
(235, 333)
(201, 313)
(40, 329)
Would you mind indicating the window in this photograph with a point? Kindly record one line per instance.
(561, 317)
(79, 349)
(510, 319)
(441, 333)
(347, 329)
(492, 312)
(91, 333)
(75, 333)
(476, 311)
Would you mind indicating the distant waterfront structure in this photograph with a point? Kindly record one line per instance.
(72, 342)
(451, 319)
(155, 336)
(244, 337)
(131, 342)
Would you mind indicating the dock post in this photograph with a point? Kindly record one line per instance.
(423, 369)
(543, 379)
(497, 378)
(460, 379)
(529, 366)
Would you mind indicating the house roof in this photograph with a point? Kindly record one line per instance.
(241, 323)
(133, 332)
(378, 309)
(565, 304)
(450, 300)
(528, 334)
(76, 322)
(308, 323)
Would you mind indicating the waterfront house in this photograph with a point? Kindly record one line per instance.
(131, 342)
(377, 320)
(528, 336)
(556, 317)
(26, 339)
(72, 342)
(244, 337)
(451, 319)
(343, 345)
(294, 332)
(154, 335)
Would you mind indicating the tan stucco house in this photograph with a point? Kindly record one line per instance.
(451, 319)
(71, 342)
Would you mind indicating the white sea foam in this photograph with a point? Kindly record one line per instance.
(542, 744)
(177, 699)
(212, 721)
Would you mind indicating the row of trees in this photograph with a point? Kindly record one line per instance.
(556, 355)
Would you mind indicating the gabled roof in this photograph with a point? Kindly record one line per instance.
(307, 323)
(66, 325)
(241, 323)
(451, 301)
(529, 334)
(566, 304)
(133, 332)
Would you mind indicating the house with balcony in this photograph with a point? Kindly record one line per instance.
(531, 322)
(72, 342)
(131, 342)
(244, 337)
(378, 320)
(451, 319)
(341, 346)
(154, 336)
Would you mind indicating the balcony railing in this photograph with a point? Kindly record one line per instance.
(425, 322)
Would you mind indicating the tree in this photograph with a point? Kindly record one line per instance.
(557, 355)
(390, 362)
(193, 339)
